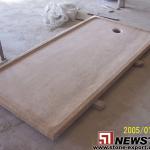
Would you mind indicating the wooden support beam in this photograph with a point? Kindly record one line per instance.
(139, 63)
(99, 105)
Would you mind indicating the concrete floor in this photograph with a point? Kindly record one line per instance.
(127, 102)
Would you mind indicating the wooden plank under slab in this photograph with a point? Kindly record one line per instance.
(50, 86)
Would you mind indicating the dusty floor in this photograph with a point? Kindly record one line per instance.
(127, 101)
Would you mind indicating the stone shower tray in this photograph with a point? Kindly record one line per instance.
(51, 85)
